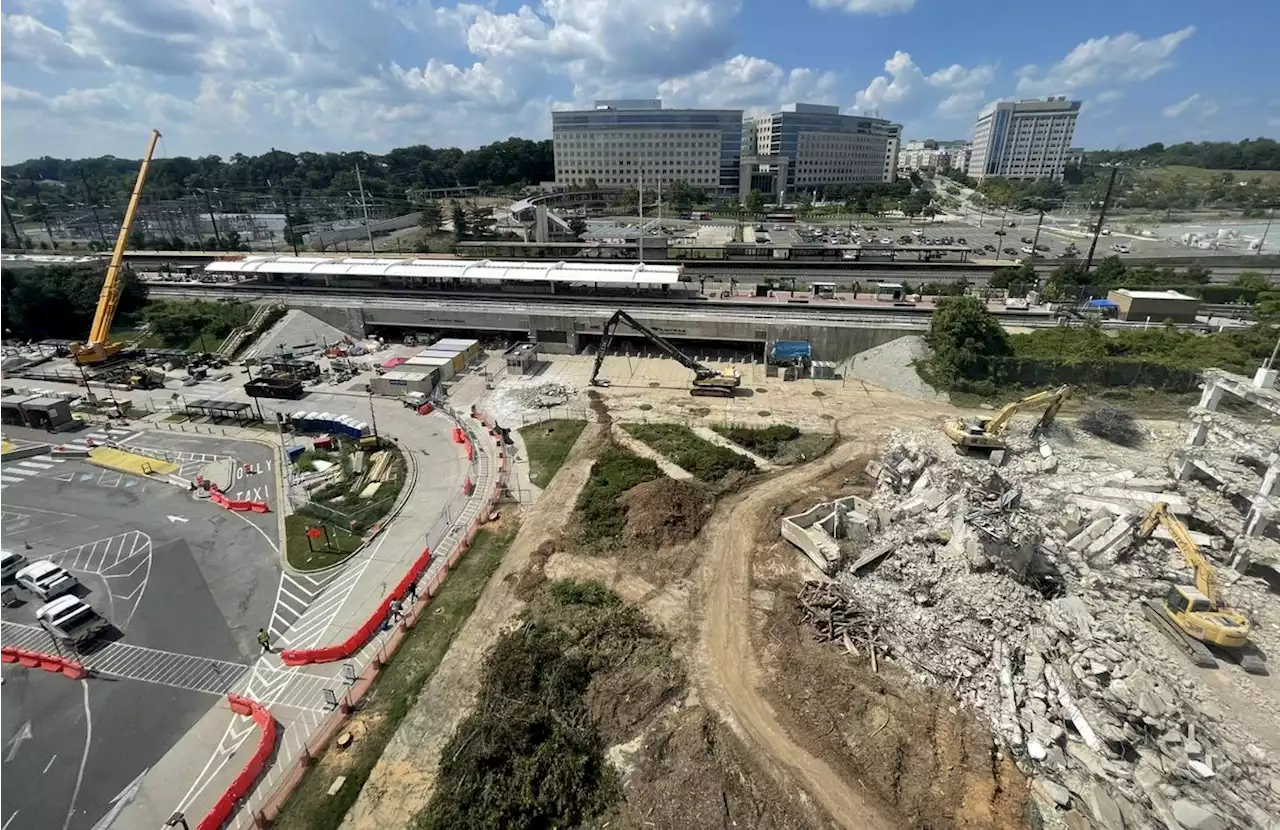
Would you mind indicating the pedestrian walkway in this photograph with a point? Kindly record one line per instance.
(148, 665)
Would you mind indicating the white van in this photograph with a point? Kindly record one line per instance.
(46, 580)
(11, 563)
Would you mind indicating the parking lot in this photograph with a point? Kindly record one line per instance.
(185, 586)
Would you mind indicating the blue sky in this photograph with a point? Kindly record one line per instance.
(91, 77)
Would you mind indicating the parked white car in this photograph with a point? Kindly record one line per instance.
(11, 563)
(46, 580)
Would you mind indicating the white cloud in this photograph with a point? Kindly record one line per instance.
(27, 40)
(753, 84)
(865, 6)
(1123, 58)
(1193, 105)
(1107, 96)
(904, 77)
(960, 105)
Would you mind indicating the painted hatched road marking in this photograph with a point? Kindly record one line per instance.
(296, 594)
(19, 471)
(104, 554)
(148, 665)
(35, 465)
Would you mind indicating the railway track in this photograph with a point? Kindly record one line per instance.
(771, 313)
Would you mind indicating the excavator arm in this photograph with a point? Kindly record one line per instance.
(98, 347)
(1206, 583)
(1056, 398)
(653, 337)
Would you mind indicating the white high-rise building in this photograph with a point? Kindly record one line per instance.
(1023, 139)
(930, 154)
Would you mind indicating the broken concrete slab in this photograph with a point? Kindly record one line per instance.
(1195, 816)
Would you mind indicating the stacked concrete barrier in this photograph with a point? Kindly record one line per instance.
(39, 660)
(239, 789)
(219, 498)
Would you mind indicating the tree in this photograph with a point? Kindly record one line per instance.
(915, 204)
(1021, 275)
(482, 221)
(460, 228)
(1252, 280)
(431, 217)
(590, 184)
(630, 199)
(577, 226)
(682, 195)
(60, 302)
(754, 202)
(964, 336)
(804, 203)
(1110, 272)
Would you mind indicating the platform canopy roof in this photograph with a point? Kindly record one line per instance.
(483, 270)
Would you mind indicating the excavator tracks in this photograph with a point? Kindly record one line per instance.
(1198, 651)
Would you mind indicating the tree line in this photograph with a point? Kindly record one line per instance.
(1249, 154)
(59, 302)
(107, 180)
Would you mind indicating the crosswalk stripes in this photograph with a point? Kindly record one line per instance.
(148, 665)
(309, 628)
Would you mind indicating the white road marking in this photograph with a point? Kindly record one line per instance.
(9, 820)
(35, 465)
(84, 758)
(23, 734)
(52, 758)
(19, 471)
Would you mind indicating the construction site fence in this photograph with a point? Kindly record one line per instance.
(241, 505)
(46, 662)
(465, 534)
(225, 807)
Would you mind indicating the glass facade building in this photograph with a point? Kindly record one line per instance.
(825, 147)
(617, 143)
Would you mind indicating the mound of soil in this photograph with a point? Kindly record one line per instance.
(665, 511)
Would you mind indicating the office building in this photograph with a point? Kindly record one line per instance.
(618, 142)
(930, 154)
(820, 147)
(1023, 139)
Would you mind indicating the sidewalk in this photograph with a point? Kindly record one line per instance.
(197, 770)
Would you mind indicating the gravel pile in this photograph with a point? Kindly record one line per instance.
(889, 366)
(516, 400)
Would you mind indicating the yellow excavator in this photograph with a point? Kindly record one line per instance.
(99, 347)
(1194, 616)
(984, 433)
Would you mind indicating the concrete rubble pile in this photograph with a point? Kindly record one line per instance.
(1017, 588)
(542, 396)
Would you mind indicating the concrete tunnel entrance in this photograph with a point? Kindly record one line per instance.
(633, 345)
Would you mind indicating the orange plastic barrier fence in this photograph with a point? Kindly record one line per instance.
(239, 789)
(39, 660)
(366, 632)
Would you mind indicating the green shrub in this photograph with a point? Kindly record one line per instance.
(615, 472)
(765, 441)
(705, 460)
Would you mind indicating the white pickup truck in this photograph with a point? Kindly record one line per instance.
(46, 580)
(71, 620)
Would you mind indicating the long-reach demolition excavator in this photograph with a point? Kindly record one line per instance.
(1194, 616)
(99, 347)
(984, 433)
(706, 381)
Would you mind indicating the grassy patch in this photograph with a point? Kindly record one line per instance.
(706, 461)
(780, 443)
(298, 546)
(614, 472)
(394, 693)
(340, 501)
(582, 672)
(548, 444)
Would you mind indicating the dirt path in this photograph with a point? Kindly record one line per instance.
(405, 776)
(728, 669)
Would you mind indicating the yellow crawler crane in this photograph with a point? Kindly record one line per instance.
(99, 346)
(984, 433)
(1194, 616)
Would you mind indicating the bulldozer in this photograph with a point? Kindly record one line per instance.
(984, 433)
(1194, 616)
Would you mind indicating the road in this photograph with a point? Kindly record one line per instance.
(729, 670)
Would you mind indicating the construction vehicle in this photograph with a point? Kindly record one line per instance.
(1194, 616)
(99, 347)
(984, 433)
(706, 381)
(145, 377)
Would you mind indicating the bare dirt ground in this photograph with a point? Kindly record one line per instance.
(751, 743)
(405, 776)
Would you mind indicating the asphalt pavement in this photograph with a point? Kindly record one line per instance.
(185, 583)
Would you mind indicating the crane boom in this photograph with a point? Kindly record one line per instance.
(99, 346)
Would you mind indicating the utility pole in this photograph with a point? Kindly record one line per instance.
(365, 208)
(1102, 214)
(217, 237)
(640, 207)
(93, 208)
(288, 214)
